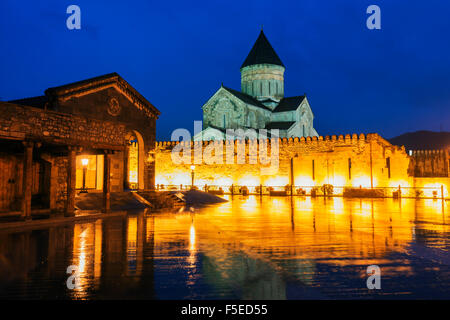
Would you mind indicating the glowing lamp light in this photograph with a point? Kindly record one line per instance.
(362, 181)
(338, 181)
(401, 183)
(84, 162)
(161, 180)
(180, 178)
(226, 182)
(249, 181)
(437, 187)
(192, 167)
(304, 181)
(133, 178)
(277, 181)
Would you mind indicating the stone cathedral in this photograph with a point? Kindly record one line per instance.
(261, 103)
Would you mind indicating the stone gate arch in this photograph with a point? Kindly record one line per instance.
(134, 161)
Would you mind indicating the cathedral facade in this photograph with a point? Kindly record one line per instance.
(260, 104)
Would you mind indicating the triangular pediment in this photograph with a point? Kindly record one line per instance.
(236, 96)
(109, 90)
(209, 134)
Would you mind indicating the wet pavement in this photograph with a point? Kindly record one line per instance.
(246, 248)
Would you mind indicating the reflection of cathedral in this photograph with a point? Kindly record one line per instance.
(261, 103)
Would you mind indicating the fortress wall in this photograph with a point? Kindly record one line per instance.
(430, 163)
(368, 155)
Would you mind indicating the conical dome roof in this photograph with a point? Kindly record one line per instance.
(262, 53)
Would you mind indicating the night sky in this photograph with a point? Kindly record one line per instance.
(177, 54)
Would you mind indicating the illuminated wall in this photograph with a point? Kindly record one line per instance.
(133, 166)
(94, 172)
(433, 187)
(343, 161)
(430, 163)
(136, 161)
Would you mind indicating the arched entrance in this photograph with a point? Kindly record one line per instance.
(134, 161)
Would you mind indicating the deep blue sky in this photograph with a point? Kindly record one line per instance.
(177, 53)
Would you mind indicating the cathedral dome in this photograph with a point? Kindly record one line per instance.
(262, 73)
(262, 53)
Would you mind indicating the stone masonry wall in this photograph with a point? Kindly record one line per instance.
(61, 164)
(52, 128)
(367, 156)
(430, 163)
(26, 122)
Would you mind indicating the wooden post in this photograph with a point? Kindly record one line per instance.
(107, 182)
(27, 179)
(442, 192)
(260, 190)
(71, 180)
(399, 191)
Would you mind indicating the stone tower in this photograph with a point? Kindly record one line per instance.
(262, 73)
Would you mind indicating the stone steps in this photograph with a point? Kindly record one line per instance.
(119, 201)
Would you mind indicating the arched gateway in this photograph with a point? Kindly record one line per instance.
(134, 161)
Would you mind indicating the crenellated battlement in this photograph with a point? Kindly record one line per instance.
(430, 163)
(428, 153)
(346, 139)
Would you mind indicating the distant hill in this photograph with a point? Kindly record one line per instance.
(423, 140)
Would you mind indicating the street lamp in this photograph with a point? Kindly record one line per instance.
(192, 176)
(85, 163)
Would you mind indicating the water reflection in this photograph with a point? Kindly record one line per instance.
(247, 248)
